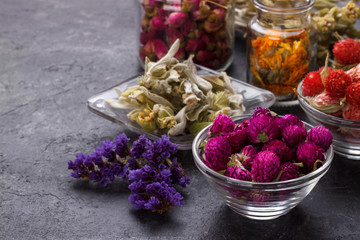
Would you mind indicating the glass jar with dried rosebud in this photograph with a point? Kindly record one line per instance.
(204, 27)
(281, 46)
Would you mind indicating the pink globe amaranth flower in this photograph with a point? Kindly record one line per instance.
(259, 196)
(247, 156)
(266, 167)
(289, 171)
(217, 153)
(288, 120)
(308, 153)
(204, 56)
(157, 23)
(263, 129)
(172, 34)
(293, 135)
(279, 148)
(321, 136)
(236, 170)
(237, 139)
(222, 124)
(177, 19)
(259, 111)
(243, 125)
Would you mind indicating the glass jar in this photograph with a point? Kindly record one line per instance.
(281, 46)
(204, 27)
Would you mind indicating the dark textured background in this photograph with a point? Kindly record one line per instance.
(54, 54)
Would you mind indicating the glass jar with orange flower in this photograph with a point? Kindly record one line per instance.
(281, 45)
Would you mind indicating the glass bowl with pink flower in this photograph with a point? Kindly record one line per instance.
(263, 165)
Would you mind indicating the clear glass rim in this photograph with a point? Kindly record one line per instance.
(323, 116)
(268, 185)
(303, 8)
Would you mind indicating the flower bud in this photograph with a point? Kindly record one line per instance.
(203, 56)
(180, 55)
(160, 48)
(192, 45)
(157, 23)
(177, 19)
(172, 34)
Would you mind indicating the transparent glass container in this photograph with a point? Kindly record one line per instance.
(259, 200)
(346, 133)
(204, 27)
(281, 46)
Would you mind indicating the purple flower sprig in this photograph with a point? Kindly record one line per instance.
(149, 167)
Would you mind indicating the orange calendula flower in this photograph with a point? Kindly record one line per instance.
(280, 61)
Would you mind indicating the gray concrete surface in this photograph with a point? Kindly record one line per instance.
(54, 54)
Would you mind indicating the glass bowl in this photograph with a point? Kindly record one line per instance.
(255, 200)
(346, 133)
(253, 97)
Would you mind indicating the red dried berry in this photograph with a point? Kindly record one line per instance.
(336, 83)
(347, 51)
(312, 84)
(353, 94)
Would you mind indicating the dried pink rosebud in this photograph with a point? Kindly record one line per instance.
(147, 36)
(172, 34)
(208, 42)
(177, 19)
(279, 148)
(289, 171)
(217, 153)
(202, 13)
(192, 45)
(203, 56)
(157, 23)
(212, 27)
(160, 48)
(180, 55)
(222, 124)
(236, 170)
(151, 3)
(149, 50)
(263, 129)
(188, 27)
(190, 5)
(293, 135)
(237, 139)
(220, 14)
(308, 153)
(163, 13)
(141, 53)
(321, 136)
(247, 156)
(266, 167)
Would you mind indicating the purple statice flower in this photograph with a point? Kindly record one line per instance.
(222, 124)
(321, 136)
(293, 135)
(309, 153)
(280, 149)
(266, 167)
(289, 119)
(151, 181)
(262, 129)
(108, 150)
(259, 111)
(217, 153)
(236, 170)
(178, 174)
(237, 139)
(161, 149)
(289, 171)
(247, 155)
(138, 146)
(121, 145)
